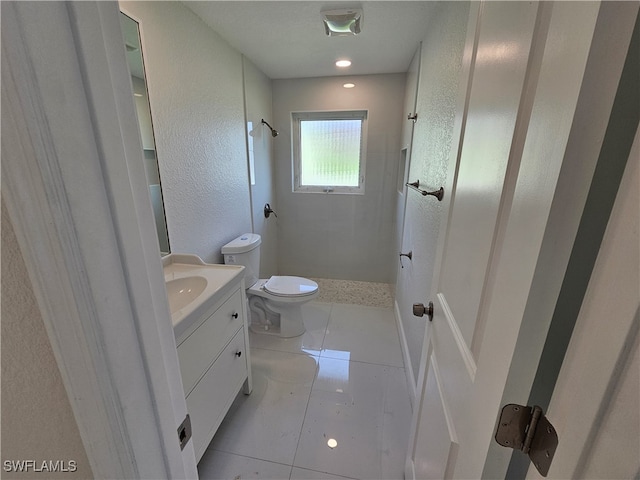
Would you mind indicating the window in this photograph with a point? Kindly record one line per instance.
(329, 151)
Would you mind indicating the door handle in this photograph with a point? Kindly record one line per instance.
(420, 310)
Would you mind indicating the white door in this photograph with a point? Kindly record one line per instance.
(525, 73)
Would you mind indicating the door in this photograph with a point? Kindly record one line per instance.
(497, 252)
(449, 371)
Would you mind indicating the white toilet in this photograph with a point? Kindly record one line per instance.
(274, 303)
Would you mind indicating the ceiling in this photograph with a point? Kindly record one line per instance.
(286, 39)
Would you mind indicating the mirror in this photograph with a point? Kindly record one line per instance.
(131, 34)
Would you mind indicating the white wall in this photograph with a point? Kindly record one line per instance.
(334, 235)
(37, 420)
(195, 87)
(441, 58)
(258, 102)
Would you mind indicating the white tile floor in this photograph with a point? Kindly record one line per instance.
(343, 380)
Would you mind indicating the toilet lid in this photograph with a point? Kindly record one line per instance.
(290, 286)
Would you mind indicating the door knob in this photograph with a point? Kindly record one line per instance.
(420, 310)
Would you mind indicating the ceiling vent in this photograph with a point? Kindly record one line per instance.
(347, 21)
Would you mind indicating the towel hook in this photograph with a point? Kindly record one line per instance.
(268, 211)
(408, 255)
(439, 194)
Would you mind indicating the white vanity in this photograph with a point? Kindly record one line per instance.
(208, 311)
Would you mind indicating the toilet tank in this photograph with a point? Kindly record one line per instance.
(245, 251)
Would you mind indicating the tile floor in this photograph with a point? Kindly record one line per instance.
(343, 380)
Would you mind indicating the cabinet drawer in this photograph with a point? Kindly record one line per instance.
(203, 346)
(210, 400)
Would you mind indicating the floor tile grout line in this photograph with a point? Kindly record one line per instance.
(306, 408)
(362, 361)
(252, 458)
(305, 354)
(327, 327)
(320, 471)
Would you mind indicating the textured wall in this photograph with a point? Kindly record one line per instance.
(441, 58)
(195, 90)
(258, 100)
(348, 237)
(37, 420)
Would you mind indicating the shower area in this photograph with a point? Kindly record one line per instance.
(345, 239)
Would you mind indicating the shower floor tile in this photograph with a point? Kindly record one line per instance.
(354, 292)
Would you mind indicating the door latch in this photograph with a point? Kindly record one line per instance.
(420, 310)
(184, 431)
(528, 430)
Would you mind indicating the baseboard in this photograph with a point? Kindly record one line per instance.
(409, 470)
(408, 369)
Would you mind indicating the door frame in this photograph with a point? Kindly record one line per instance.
(614, 121)
(575, 176)
(604, 425)
(75, 188)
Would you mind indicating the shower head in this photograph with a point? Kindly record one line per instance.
(274, 133)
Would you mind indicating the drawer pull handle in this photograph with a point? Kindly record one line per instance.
(235, 315)
(238, 353)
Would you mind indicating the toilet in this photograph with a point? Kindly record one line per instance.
(274, 303)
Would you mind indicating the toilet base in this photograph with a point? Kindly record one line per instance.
(272, 330)
(282, 319)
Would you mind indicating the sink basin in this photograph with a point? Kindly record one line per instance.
(183, 291)
(193, 286)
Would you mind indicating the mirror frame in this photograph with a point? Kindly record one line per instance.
(150, 155)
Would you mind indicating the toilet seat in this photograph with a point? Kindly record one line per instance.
(288, 286)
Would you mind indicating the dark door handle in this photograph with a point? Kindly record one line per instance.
(420, 310)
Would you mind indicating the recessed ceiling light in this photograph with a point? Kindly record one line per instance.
(343, 63)
(349, 85)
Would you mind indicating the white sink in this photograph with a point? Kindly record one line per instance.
(183, 291)
(193, 286)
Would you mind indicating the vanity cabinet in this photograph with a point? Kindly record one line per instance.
(215, 364)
